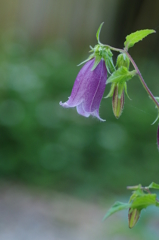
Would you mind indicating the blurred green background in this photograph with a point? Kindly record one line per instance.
(44, 146)
(41, 43)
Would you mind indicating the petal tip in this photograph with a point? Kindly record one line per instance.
(96, 114)
(65, 105)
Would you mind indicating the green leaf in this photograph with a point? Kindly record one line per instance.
(98, 32)
(143, 201)
(121, 75)
(136, 37)
(153, 185)
(118, 206)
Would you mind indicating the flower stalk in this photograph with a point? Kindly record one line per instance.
(142, 80)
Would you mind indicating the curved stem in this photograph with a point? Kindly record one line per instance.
(142, 80)
(113, 48)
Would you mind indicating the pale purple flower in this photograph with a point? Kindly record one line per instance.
(88, 89)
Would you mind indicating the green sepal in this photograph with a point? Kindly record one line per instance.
(107, 55)
(120, 89)
(98, 32)
(110, 94)
(136, 37)
(126, 91)
(89, 58)
(92, 49)
(121, 75)
(96, 62)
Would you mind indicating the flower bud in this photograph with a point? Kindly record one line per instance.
(122, 60)
(118, 101)
(133, 217)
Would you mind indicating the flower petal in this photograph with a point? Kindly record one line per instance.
(80, 86)
(81, 111)
(88, 89)
(96, 87)
(96, 114)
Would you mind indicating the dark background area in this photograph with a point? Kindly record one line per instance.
(44, 145)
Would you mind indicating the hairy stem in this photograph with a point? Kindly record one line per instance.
(142, 80)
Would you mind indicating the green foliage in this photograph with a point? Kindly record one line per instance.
(97, 61)
(143, 201)
(121, 75)
(108, 57)
(89, 58)
(138, 201)
(153, 186)
(118, 206)
(136, 37)
(122, 60)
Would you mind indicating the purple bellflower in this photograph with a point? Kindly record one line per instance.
(88, 89)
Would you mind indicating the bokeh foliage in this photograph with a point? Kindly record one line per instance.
(41, 143)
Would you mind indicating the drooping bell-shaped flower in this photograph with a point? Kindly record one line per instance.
(88, 89)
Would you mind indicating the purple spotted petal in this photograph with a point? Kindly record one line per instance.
(88, 89)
